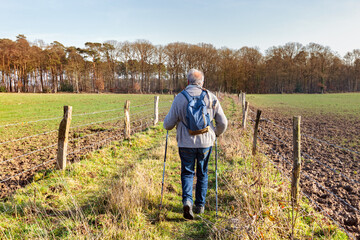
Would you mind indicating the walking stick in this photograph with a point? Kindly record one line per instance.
(216, 180)
(163, 177)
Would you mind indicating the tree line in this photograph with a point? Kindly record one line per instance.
(141, 67)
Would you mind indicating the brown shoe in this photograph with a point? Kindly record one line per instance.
(188, 213)
(199, 209)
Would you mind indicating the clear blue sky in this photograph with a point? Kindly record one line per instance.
(231, 23)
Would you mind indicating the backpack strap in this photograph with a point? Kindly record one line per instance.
(203, 94)
(187, 95)
(212, 103)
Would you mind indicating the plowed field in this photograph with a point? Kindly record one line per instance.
(330, 159)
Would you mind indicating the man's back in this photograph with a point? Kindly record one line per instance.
(177, 117)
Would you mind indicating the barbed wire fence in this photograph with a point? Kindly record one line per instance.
(20, 161)
(273, 147)
(142, 116)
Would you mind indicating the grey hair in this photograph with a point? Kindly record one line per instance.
(195, 77)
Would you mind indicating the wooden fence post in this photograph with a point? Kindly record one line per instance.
(297, 159)
(245, 111)
(258, 114)
(127, 119)
(63, 138)
(156, 109)
(243, 101)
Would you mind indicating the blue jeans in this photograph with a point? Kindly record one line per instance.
(188, 157)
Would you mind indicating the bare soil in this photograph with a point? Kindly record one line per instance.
(330, 175)
(21, 160)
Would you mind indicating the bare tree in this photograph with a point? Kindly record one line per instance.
(175, 53)
(142, 67)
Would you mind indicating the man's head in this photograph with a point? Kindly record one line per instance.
(195, 77)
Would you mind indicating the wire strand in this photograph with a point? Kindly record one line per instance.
(92, 123)
(330, 192)
(22, 123)
(92, 113)
(275, 124)
(29, 153)
(334, 170)
(23, 138)
(269, 134)
(274, 164)
(91, 145)
(274, 151)
(331, 144)
(92, 134)
(44, 163)
(137, 106)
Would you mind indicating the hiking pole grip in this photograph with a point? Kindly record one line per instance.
(163, 176)
(216, 179)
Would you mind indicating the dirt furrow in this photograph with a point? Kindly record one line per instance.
(330, 175)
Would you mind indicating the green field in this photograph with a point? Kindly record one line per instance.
(28, 107)
(20, 109)
(340, 104)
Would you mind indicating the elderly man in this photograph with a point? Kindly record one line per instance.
(195, 146)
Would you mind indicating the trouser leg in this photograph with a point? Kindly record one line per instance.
(203, 155)
(187, 156)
